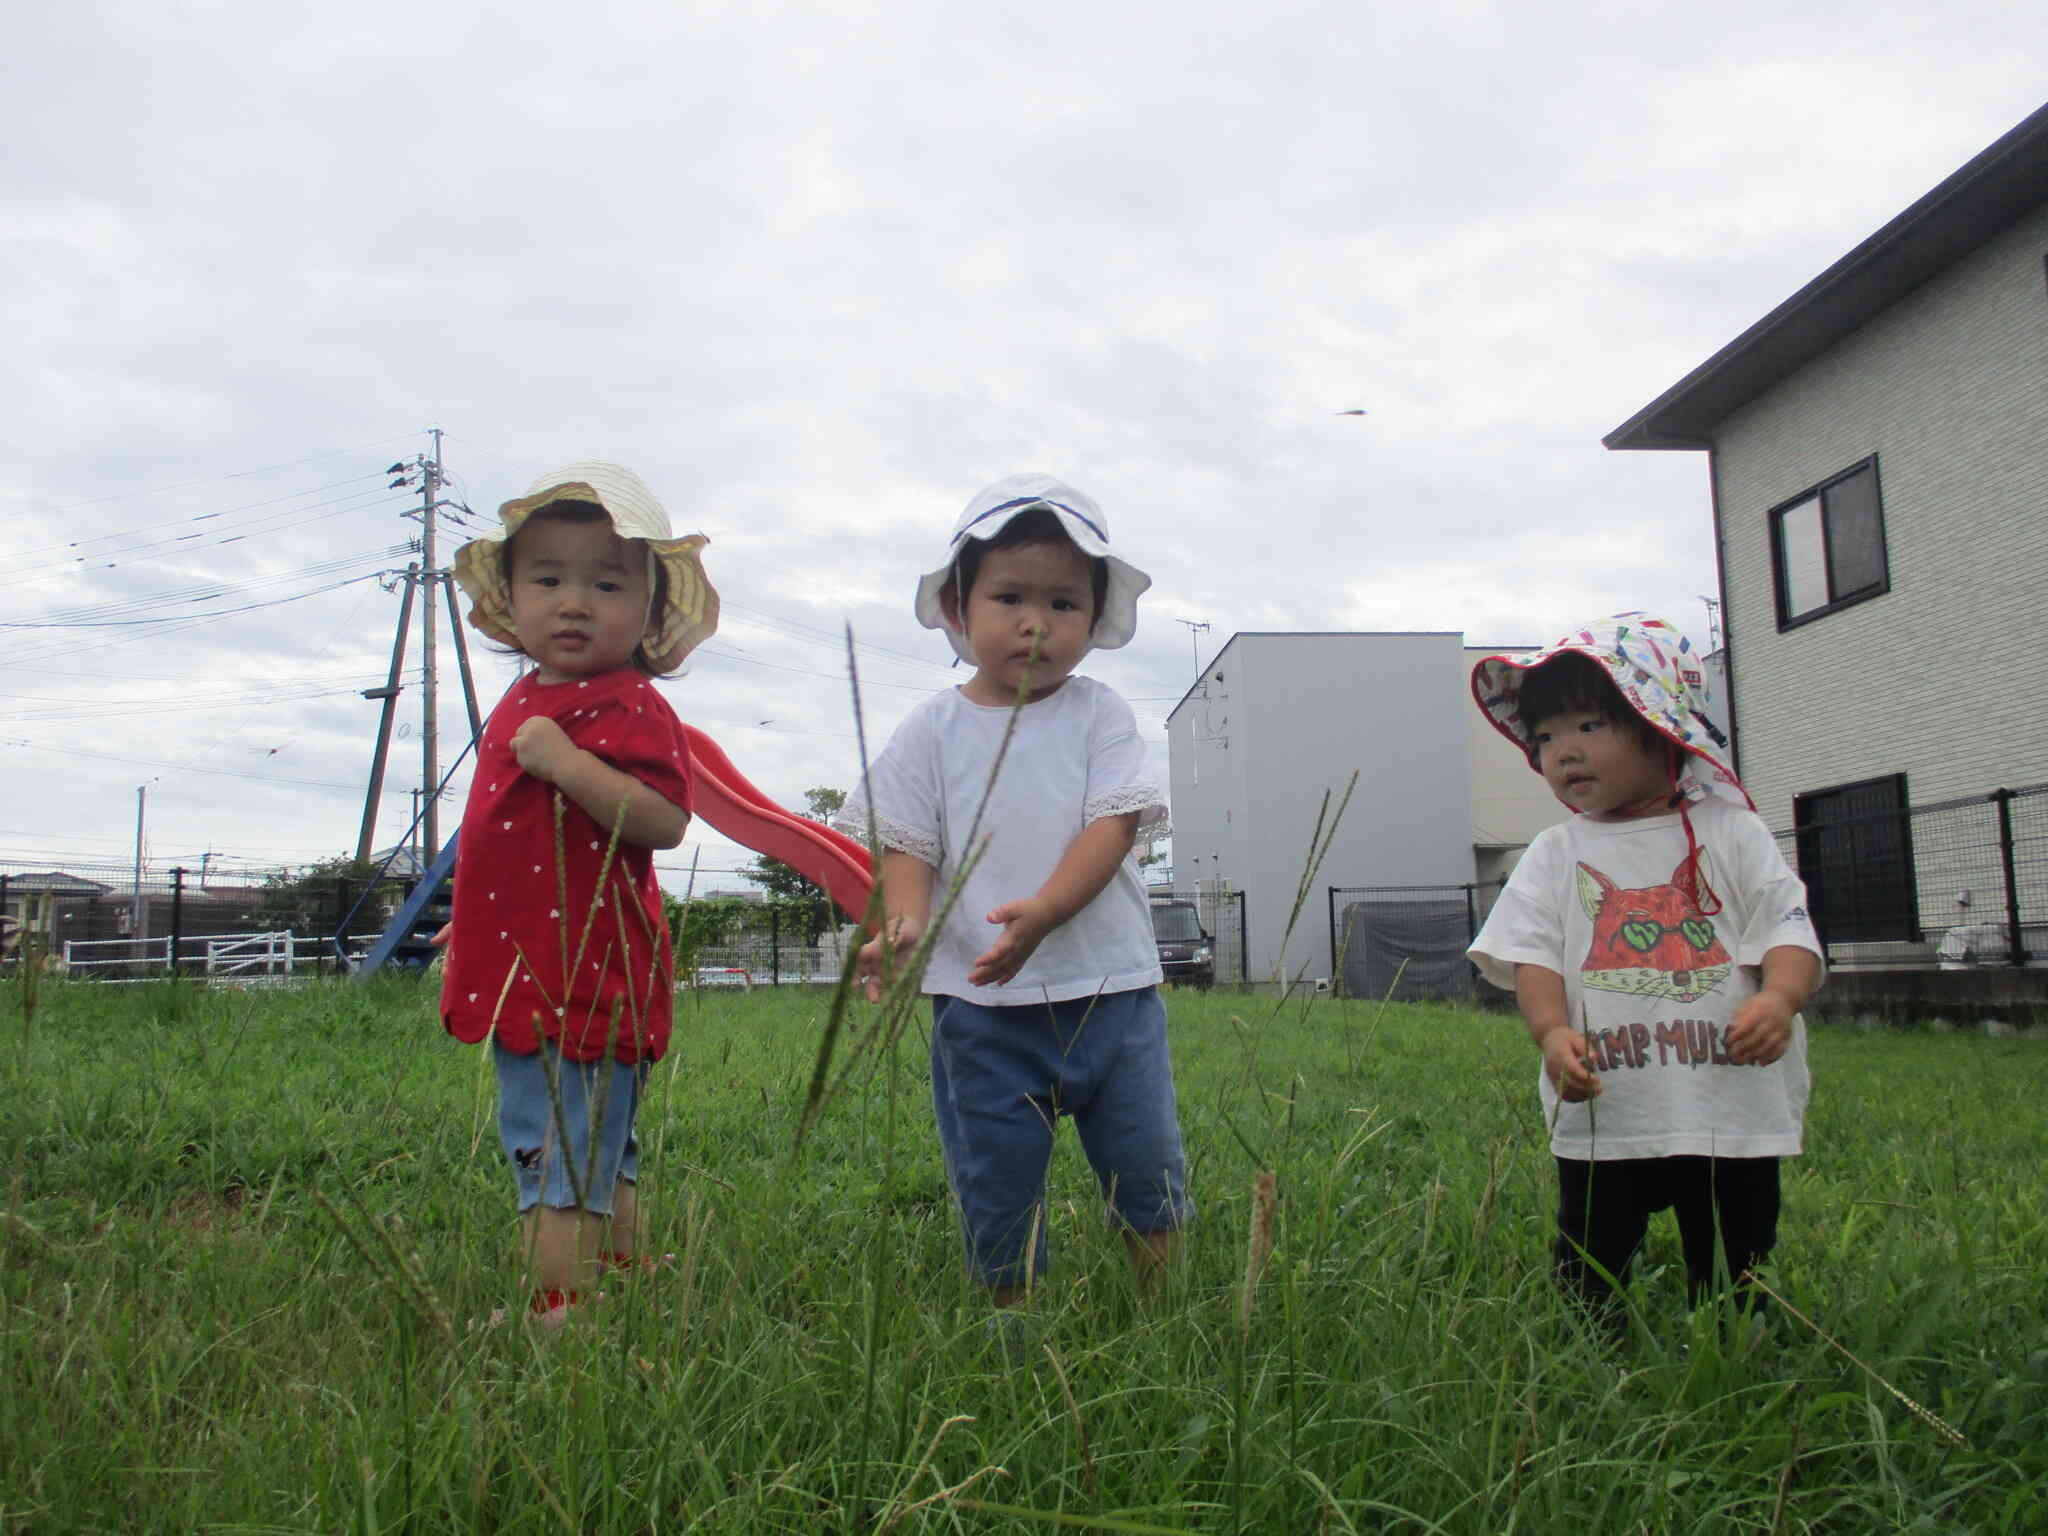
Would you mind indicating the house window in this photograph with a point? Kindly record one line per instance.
(1856, 856)
(1827, 546)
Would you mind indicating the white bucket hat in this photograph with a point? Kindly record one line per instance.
(690, 614)
(1084, 523)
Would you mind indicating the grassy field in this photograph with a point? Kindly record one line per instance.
(245, 1239)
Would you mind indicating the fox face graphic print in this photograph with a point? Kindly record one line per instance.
(1649, 942)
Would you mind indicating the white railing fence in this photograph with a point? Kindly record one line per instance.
(217, 958)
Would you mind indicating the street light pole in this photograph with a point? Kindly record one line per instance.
(138, 914)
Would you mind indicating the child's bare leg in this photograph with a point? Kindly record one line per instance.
(562, 1247)
(624, 1242)
(1152, 1253)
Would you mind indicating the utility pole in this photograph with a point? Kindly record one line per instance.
(1196, 629)
(420, 580)
(430, 693)
(387, 696)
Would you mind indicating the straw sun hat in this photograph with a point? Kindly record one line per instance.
(690, 615)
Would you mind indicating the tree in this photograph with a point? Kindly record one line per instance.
(701, 923)
(776, 877)
(804, 900)
(309, 901)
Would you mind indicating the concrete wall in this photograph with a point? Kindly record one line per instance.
(1949, 388)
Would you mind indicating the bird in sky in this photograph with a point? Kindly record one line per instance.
(1350, 413)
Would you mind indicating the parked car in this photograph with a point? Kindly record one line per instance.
(1187, 954)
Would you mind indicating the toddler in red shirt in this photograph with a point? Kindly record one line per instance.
(558, 949)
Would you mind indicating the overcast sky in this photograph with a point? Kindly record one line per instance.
(818, 272)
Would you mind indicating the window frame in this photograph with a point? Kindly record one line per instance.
(1902, 906)
(1775, 521)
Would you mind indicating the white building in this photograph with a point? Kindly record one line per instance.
(1277, 721)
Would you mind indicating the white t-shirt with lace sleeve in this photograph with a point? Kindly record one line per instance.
(1074, 759)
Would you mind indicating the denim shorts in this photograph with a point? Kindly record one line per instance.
(557, 1160)
(1002, 1076)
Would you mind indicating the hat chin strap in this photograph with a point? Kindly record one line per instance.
(1690, 873)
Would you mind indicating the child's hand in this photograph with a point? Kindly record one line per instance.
(1569, 1061)
(440, 938)
(888, 948)
(1025, 924)
(543, 748)
(1761, 1030)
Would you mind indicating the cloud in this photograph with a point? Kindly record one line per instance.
(819, 271)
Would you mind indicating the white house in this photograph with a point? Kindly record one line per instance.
(1276, 721)
(1877, 457)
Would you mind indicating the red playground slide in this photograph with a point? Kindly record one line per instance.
(741, 812)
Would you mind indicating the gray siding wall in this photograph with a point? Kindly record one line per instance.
(1949, 388)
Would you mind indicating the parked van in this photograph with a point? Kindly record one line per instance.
(1187, 953)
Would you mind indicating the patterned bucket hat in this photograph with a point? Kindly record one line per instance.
(1084, 522)
(691, 614)
(1657, 671)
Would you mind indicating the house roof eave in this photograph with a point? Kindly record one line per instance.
(1983, 197)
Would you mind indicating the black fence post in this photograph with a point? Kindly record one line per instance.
(775, 945)
(2015, 940)
(1244, 953)
(20, 929)
(1336, 967)
(338, 939)
(177, 916)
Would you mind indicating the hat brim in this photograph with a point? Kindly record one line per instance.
(1497, 684)
(1115, 626)
(688, 617)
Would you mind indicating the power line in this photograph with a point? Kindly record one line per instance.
(708, 649)
(141, 708)
(270, 524)
(222, 773)
(239, 474)
(794, 629)
(174, 522)
(278, 602)
(99, 615)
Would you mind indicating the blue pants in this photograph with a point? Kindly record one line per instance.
(571, 1161)
(1001, 1077)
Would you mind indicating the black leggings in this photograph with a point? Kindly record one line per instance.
(1603, 1210)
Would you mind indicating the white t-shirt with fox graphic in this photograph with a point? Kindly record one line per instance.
(1653, 984)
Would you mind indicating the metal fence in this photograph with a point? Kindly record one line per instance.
(1884, 888)
(1407, 942)
(783, 943)
(1962, 883)
(101, 923)
(770, 944)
